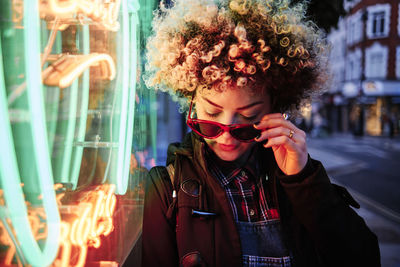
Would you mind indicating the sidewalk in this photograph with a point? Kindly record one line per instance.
(375, 216)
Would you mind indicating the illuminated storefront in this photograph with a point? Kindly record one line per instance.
(77, 133)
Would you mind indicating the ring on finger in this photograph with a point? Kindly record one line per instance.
(291, 132)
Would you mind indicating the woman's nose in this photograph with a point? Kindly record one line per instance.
(229, 119)
(226, 136)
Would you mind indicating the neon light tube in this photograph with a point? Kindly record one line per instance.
(8, 168)
(78, 150)
(70, 132)
(132, 93)
(13, 194)
(121, 185)
(92, 60)
(58, 8)
(72, 66)
(34, 255)
(20, 255)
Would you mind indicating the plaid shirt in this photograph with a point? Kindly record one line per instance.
(246, 194)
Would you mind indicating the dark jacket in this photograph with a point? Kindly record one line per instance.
(319, 226)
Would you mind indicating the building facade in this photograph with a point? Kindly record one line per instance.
(365, 58)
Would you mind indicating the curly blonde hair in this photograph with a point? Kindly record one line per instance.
(216, 44)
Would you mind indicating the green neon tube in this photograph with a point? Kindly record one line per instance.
(34, 255)
(14, 196)
(120, 184)
(52, 115)
(131, 109)
(55, 104)
(78, 149)
(70, 132)
(9, 173)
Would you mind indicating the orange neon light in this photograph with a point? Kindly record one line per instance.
(92, 218)
(105, 13)
(67, 68)
(6, 240)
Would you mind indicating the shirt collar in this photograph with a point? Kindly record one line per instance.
(227, 171)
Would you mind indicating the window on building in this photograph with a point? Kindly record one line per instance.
(376, 64)
(376, 58)
(353, 65)
(355, 26)
(378, 23)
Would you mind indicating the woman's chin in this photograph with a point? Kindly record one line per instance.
(227, 155)
(229, 152)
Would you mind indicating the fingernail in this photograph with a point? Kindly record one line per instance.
(256, 123)
(258, 136)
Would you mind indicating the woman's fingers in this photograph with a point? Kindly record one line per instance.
(286, 140)
(274, 122)
(280, 131)
(273, 125)
(270, 116)
(282, 140)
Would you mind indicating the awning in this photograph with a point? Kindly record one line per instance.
(381, 88)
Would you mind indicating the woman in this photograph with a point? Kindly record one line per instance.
(241, 189)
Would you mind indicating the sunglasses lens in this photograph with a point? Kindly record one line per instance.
(207, 129)
(245, 133)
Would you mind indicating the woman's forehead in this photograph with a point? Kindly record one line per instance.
(232, 96)
(245, 91)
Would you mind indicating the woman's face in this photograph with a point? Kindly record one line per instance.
(231, 106)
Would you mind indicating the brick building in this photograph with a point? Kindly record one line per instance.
(365, 59)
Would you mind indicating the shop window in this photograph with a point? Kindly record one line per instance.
(78, 131)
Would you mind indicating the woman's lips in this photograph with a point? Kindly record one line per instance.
(227, 147)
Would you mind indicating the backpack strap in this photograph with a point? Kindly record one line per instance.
(172, 206)
(171, 172)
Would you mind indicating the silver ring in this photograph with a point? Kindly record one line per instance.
(291, 134)
(285, 116)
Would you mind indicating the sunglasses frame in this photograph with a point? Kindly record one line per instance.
(224, 128)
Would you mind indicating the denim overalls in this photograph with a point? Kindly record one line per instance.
(261, 241)
(262, 244)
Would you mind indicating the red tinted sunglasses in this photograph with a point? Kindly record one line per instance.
(212, 129)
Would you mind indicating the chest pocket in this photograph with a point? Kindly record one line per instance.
(189, 194)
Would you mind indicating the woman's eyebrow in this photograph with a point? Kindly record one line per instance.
(241, 108)
(251, 105)
(212, 103)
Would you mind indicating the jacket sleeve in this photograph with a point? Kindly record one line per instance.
(340, 236)
(159, 246)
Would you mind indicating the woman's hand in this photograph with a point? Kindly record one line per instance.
(287, 141)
